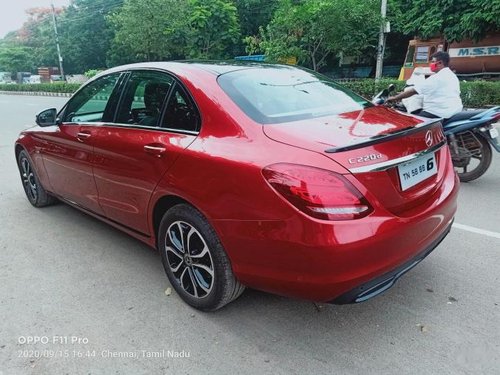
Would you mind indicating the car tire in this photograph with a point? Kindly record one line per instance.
(195, 261)
(34, 190)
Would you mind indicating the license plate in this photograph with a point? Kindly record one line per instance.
(493, 133)
(417, 170)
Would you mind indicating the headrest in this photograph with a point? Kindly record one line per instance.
(154, 94)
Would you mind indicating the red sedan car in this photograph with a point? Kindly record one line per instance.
(266, 176)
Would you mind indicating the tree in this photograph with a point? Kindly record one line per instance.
(254, 14)
(172, 29)
(455, 20)
(148, 30)
(16, 59)
(85, 34)
(314, 30)
(37, 33)
(213, 29)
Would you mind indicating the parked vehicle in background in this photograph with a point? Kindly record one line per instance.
(46, 73)
(23, 77)
(35, 79)
(5, 77)
(471, 135)
(56, 78)
(76, 78)
(266, 176)
(469, 59)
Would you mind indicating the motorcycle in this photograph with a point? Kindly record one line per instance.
(471, 135)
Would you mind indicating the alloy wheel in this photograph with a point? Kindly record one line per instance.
(28, 178)
(189, 259)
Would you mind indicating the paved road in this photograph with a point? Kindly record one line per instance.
(96, 298)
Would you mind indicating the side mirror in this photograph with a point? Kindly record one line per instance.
(47, 117)
(391, 88)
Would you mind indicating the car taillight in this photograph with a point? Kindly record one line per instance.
(317, 192)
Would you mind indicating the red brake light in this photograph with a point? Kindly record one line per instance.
(317, 192)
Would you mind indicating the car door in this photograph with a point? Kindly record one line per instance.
(68, 148)
(133, 153)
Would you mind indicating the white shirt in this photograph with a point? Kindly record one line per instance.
(441, 93)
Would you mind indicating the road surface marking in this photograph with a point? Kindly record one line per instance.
(477, 230)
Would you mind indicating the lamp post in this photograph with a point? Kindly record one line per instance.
(384, 28)
(57, 43)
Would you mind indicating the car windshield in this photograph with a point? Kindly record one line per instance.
(277, 94)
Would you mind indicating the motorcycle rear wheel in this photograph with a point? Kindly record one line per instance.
(474, 156)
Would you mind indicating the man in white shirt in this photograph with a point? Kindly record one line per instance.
(441, 91)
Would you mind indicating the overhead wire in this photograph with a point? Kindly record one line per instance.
(95, 12)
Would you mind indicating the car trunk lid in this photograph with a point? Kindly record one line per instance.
(398, 158)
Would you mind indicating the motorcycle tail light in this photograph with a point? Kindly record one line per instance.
(317, 192)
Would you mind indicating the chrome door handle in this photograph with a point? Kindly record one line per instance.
(156, 150)
(82, 136)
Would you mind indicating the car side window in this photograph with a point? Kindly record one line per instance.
(92, 103)
(181, 113)
(143, 98)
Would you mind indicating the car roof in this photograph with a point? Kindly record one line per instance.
(179, 67)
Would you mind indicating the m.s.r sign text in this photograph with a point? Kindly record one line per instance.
(475, 51)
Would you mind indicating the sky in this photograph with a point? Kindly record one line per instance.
(12, 14)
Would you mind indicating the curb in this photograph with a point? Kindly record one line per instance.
(36, 93)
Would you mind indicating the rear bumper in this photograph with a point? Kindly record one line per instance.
(339, 262)
(380, 284)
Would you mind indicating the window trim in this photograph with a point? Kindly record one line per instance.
(141, 127)
(176, 81)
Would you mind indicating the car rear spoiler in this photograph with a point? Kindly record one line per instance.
(385, 137)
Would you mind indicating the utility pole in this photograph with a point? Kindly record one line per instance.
(61, 70)
(381, 41)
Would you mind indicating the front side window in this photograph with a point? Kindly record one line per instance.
(276, 94)
(144, 98)
(92, 103)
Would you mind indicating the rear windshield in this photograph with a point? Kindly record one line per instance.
(277, 94)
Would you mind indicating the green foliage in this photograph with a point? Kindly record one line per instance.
(456, 20)
(254, 14)
(16, 59)
(85, 35)
(213, 29)
(313, 30)
(100, 33)
(173, 29)
(61, 87)
(147, 30)
(480, 93)
(92, 72)
(38, 35)
(368, 88)
(475, 94)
